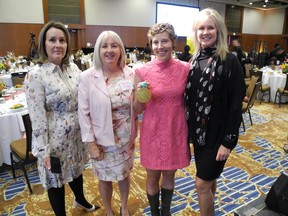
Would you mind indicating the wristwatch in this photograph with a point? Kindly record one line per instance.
(230, 137)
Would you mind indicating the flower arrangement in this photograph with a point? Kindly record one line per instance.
(2, 86)
(11, 57)
(5, 66)
(79, 54)
(2, 67)
(284, 67)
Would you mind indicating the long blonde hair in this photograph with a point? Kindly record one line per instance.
(221, 41)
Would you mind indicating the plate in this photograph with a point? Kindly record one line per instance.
(17, 110)
(6, 95)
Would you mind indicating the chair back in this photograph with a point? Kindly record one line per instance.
(257, 74)
(254, 94)
(248, 67)
(18, 77)
(251, 85)
(28, 129)
(247, 105)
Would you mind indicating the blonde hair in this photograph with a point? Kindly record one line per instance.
(160, 28)
(101, 38)
(221, 41)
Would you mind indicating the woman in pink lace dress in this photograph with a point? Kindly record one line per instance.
(163, 133)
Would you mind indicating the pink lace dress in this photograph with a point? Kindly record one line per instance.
(163, 132)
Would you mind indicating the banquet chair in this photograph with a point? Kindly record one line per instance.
(264, 89)
(250, 88)
(247, 67)
(18, 78)
(20, 153)
(246, 106)
(282, 91)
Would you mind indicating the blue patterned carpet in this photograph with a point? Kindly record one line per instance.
(252, 168)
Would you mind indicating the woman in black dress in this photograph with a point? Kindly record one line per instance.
(214, 94)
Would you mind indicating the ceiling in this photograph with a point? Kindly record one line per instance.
(257, 4)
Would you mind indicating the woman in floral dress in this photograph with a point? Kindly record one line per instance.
(106, 116)
(51, 91)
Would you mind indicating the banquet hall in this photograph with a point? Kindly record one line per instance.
(255, 164)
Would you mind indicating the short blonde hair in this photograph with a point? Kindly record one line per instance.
(221, 41)
(160, 28)
(101, 38)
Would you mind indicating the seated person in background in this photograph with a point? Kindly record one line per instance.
(185, 56)
(147, 49)
(147, 52)
(278, 53)
(263, 58)
(253, 57)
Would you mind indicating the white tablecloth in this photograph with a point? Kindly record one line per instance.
(11, 126)
(6, 79)
(275, 81)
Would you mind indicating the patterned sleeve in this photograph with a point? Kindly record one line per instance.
(35, 95)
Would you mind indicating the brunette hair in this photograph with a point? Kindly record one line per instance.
(42, 38)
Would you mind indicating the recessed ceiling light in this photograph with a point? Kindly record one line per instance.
(250, 3)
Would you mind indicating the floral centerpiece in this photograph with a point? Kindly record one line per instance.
(79, 54)
(284, 67)
(4, 66)
(2, 86)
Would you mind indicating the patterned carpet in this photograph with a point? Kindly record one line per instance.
(252, 168)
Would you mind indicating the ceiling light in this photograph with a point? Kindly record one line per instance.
(266, 0)
(264, 5)
(250, 3)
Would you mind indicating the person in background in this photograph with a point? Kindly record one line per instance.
(253, 57)
(163, 132)
(214, 95)
(263, 58)
(185, 55)
(107, 119)
(238, 52)
(147, 49)
(277, 47)
(51, 92)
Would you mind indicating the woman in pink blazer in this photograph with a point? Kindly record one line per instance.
(108, 124)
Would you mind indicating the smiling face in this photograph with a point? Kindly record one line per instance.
(162, 46)
(55, 45)
(206, 32)
(109, 52)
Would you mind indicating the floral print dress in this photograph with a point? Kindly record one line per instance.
(52, 103)
(118, 159)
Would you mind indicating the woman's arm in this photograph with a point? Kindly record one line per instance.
(84, 108)
(36, 97)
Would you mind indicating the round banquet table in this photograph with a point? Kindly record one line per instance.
(11, 127)
(275, 81)
(6, 79)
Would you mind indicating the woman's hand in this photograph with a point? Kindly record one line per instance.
(47, 163)
(223, 153)
(95, 151)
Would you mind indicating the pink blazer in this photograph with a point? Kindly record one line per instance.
(94, 108)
